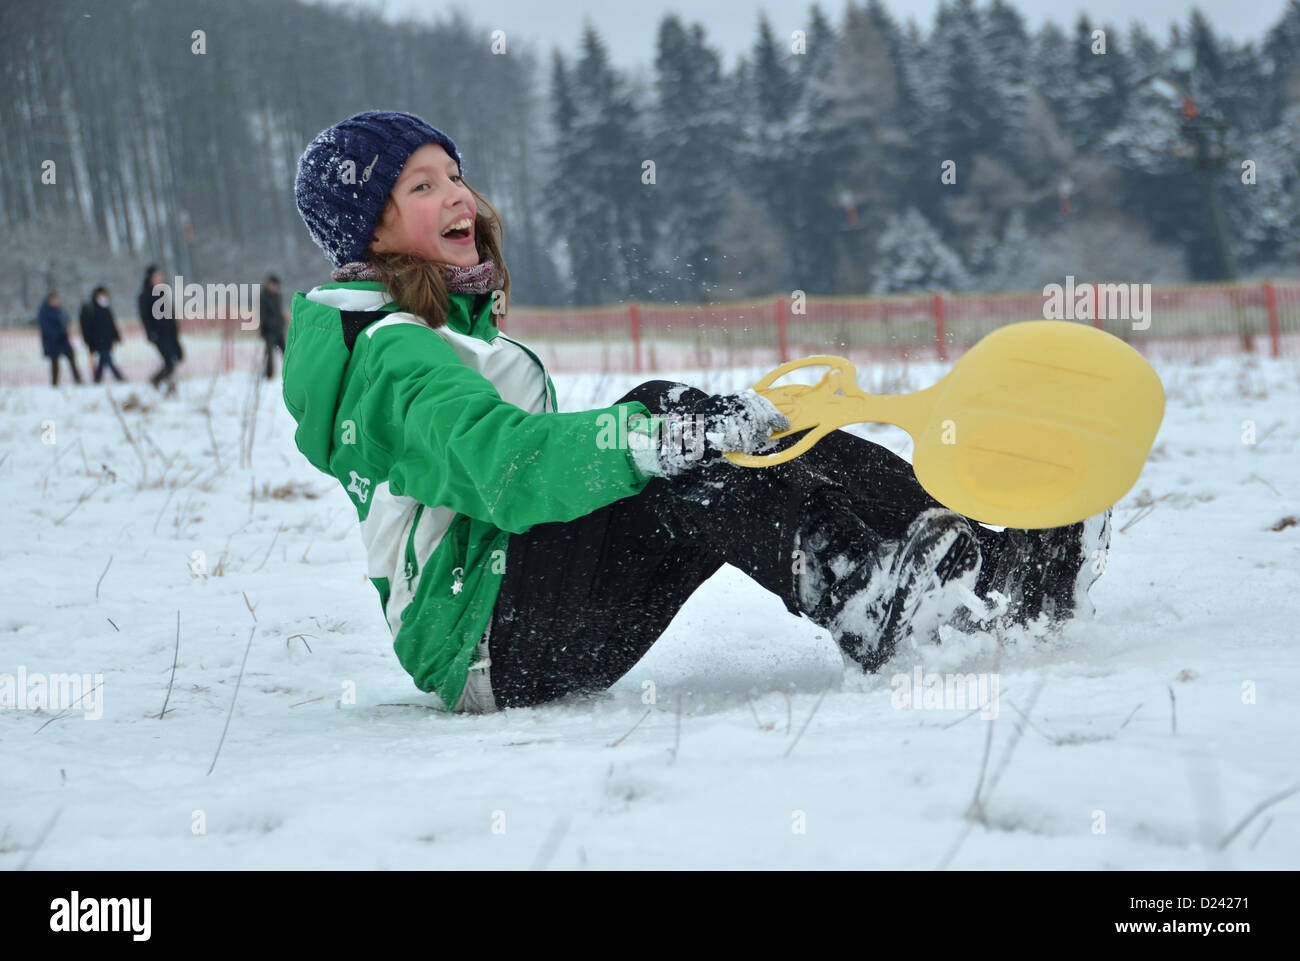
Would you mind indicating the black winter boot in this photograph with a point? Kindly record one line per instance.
(1044, 574)
(867, 591)
(833, 542)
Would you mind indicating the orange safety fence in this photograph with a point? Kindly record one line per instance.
(1261, 317)
(1180, 322)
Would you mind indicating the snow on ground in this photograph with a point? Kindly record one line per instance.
(1139, 740)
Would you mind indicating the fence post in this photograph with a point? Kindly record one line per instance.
(937, 310)
(781, 342)
(634, 323)
(1270, 303)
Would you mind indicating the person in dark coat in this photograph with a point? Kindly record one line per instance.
(161, 330)
(54, 336)
(271, 321)
(99, 331)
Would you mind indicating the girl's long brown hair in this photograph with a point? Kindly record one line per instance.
(419, 286)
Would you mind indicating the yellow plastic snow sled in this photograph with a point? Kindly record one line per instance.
(1040, 424)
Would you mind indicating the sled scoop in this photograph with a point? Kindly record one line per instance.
(1040, 424)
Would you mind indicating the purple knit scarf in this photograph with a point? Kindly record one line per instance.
(479, 279)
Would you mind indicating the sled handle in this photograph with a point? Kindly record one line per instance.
(820, 408)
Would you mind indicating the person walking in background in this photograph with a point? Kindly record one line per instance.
(54, 336)
(99, 331)
(161, 330)
(271, 321)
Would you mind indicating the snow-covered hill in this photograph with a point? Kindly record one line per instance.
(1141, 740)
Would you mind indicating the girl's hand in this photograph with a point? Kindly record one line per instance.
(698, 434)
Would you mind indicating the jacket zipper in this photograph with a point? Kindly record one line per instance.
(412, 566)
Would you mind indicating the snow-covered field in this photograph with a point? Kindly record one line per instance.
(1142, 739)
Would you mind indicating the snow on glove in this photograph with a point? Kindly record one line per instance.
(676, 440)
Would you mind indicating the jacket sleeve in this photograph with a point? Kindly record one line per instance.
(442, 434)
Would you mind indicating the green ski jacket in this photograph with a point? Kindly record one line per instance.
(447, 441)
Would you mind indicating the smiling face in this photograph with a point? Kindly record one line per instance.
(429, 197)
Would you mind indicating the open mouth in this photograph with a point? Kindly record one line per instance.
(461, 234)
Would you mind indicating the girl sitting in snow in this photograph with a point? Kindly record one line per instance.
(519, 554)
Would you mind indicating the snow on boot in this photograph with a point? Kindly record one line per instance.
(1080, 560)
(871, 607)
(832, 542)
(1045, 574)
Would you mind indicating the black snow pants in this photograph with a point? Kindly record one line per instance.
(582, 601)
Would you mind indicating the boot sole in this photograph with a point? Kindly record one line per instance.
(941, 549)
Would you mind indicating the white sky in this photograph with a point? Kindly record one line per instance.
(629, 26)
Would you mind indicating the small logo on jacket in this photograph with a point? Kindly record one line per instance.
(359, 485)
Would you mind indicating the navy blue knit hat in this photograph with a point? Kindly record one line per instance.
(346, 174)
